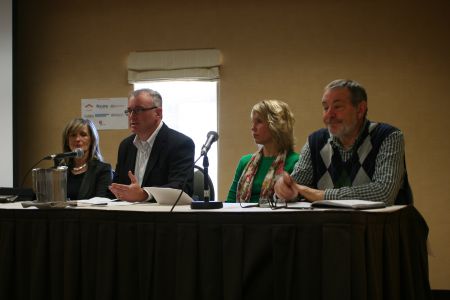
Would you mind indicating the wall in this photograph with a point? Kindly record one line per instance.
(6, 96)
(287, 50)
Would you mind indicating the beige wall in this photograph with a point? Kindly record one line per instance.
(399, 50)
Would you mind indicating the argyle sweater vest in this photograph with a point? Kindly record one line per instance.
(330, 171)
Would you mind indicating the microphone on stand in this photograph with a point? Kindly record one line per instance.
(77, 153)
(212, 137)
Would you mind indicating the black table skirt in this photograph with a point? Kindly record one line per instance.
(96, 254)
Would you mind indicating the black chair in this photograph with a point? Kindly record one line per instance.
(199, 185)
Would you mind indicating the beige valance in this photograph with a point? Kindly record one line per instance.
(202, 64)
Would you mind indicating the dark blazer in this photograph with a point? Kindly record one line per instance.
(96, 180)
(171, 162)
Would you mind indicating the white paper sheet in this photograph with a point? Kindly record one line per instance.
(168, 196)
(102, 201)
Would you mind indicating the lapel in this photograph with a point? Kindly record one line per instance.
(130, 159)
(160, 143)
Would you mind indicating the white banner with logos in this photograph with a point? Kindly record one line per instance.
(106, 113)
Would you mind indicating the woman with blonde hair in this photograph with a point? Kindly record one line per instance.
(256, 174)
(88, 176)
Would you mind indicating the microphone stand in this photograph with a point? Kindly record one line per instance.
(206, 204)
(57, 162)
(206, 191)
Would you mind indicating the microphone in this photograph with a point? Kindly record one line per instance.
(212, 137)
(206, 204)
(77, 153)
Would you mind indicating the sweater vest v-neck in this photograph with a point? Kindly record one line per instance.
(331, 171)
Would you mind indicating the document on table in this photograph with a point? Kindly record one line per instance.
(168, 196)
(352, 204)
(103, 201)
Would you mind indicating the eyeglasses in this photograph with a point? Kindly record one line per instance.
(138, 110)
(274, 203)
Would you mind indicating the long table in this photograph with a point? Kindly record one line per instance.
(145, 252)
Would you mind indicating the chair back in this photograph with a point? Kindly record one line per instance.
(199, 185)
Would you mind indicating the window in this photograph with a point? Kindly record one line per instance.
(190, 107)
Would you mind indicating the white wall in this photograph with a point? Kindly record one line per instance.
(6, 113)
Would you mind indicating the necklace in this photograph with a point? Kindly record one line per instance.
(76, 169)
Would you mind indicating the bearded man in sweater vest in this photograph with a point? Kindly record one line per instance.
(352, 158)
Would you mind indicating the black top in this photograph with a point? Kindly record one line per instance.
(73, 185)
(94, 183)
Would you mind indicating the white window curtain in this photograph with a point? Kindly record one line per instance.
(202, 64)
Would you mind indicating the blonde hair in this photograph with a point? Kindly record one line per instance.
(74, 126)
(281, 121)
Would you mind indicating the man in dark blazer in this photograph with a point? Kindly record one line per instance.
(154, 155)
